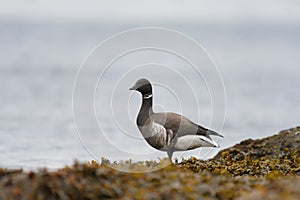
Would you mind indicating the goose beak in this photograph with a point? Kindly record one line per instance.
(132, 88)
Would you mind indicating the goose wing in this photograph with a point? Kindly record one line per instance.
(177, 123)
(181, 125)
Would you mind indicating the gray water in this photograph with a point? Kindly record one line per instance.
(258, 61)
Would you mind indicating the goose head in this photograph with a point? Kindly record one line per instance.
(143, 86)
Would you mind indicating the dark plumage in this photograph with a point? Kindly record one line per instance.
(169, 131)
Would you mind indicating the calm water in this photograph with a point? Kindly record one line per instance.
(259, 64)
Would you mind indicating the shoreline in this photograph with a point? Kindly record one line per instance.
(261, 168)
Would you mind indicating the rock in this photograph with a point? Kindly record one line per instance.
(268, 168)
(271, 156)
(285, 143)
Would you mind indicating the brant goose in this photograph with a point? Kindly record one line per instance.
(169, 131)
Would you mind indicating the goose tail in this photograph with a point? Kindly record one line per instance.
(206, 132)
(210, 132)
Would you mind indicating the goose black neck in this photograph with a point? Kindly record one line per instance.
(146, 110)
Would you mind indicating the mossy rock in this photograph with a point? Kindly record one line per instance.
(253, 169)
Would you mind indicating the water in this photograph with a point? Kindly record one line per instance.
(259, 63)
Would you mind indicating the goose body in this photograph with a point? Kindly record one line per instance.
(169, 131)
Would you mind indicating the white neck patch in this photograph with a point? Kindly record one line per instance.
(147, 96)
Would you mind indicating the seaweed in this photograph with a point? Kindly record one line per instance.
(266, 168)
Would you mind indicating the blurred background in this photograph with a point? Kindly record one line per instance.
(255, 45)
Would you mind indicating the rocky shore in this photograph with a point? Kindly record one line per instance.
(267, 168)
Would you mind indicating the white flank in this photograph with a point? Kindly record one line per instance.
(194, 141)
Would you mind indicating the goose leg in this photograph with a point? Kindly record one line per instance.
(172, 144)
(170, 154)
